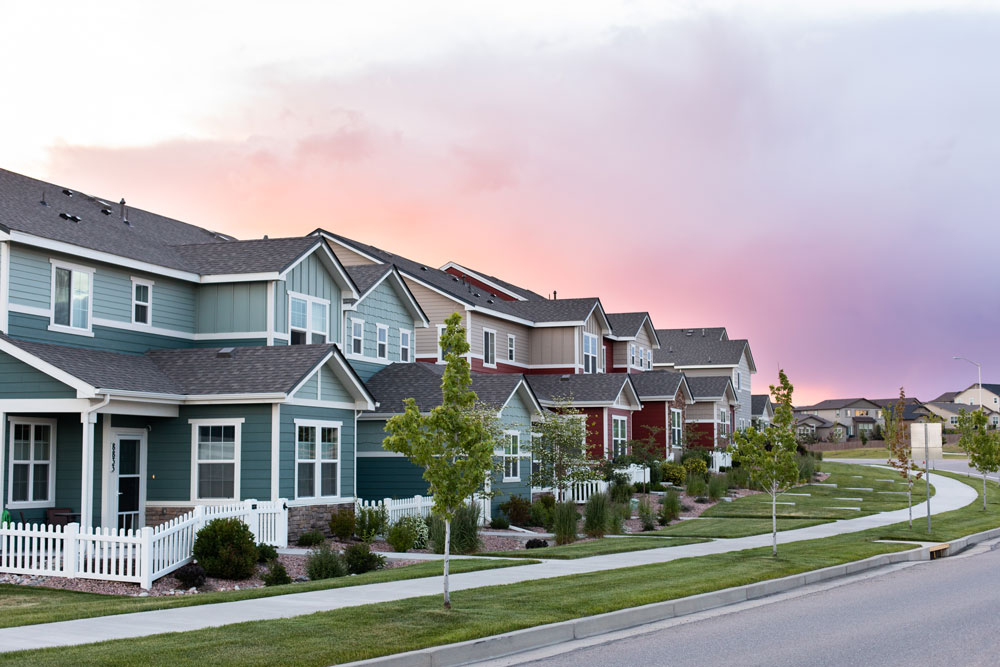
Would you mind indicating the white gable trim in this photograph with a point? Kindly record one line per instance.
(482, 279)
(83, 390)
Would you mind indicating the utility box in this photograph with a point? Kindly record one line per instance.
(934, 449)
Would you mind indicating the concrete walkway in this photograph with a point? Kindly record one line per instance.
(950, 495)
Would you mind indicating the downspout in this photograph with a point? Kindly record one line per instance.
(87, 419)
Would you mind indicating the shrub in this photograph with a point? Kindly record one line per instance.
(324, 563)
(266, 553)
(696, 453)
(617, 516)
(716, 487)
(191, 575)
(596, 514)
(311, 538)
(695, 466)
(621, 490)
(547, 500)
(342, 523)
(360, 559)
(420, 529)
(696, 485)
(655, 475)
(464, 531)
(564, 522)
(276, 574)
(518, 510)
(500, 522)
(657, 487)
(670, 508)
(673, 473)
(864, 438)
(226, 549)
(370, 522)
(541, 515)
(402, 536)
(646, 515)
(738, 478)
(808, 467)
(535, 543)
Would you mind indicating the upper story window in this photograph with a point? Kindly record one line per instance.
(216, 459)
(512, 457)
(601, 361)
(489, 347)
(32, 463)
(589, 353)
(723, 421)
(619, 436)
(441, 351)
(511, 345)
(405, 345)
(382, 341)
(632, 355)
(739, 380)
(142, 301)
(649, 360)
(71, 296)
(357, 336)
(307, 319)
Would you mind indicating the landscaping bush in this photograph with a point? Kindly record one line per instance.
(673, 473)
(342, 523)
(276, 574)
(547, 500)
(646, 515)
(696, 466)
(266, 553)
(420, 529)
(564, 522)
(617, 516)
(518, 510)
(596, 514)
(402, 536)
(311, 538)
(370, 522)
(191, 575)
(655, 475)
(737, 478)
(360, 559)
(621, 488)
(670, 508)
(226, 549)
(535, 543)
(716, 487)
(500, 522)
(808, 467)
(464, 531)
(324, 563)
(696, 485)
(541, 515)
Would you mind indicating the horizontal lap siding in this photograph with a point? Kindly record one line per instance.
(30, 278)
(348, 257)
(330, 387)
(389, 477)
(437, 308)
(595, 431)
(35, 328)
(289, 413)
(19, 380)
(516, 417)
(522, 335)
(365, 369)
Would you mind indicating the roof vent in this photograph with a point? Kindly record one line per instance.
(489, 300)
(225, 353)
(67, 216)
(455, 278)
(564, 378)
(476, 295)
(68, 193)
(688, 333)
(124, 211)
(423, 268)
(106, 211)
(670, 349)
(493, 295)
(702, 333)
(43, 202)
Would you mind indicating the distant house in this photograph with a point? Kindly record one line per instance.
(970, 396)
(854, 414)
(949, 413)
(761, 410)
(807, 424)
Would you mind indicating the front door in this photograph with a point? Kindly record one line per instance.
(130, 451)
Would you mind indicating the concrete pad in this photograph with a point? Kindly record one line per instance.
(833, 486)
(796, 494)
(856, 509)
(857, 488)
(860, 500)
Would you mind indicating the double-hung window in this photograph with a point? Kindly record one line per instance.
(511, 345)
(317, 457)
(489, 348)
(676, 429)
(619, 436)
(723, 422)
(649, 360)
(71, 297)
(512, 456)
(32, 464)
(216, 459)
(307, 320)
(589, 353)
(357, 336)
(442, 352)
(632, 355)
(405, 345)
(142, 301)
(381, 341)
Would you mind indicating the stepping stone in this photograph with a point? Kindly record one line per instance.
(860, 500)
(824, 484)
(895, 493)
(858, 476)
(856, 509)
(857, 488)
(891, 481)
(796, 494)
(779, 503)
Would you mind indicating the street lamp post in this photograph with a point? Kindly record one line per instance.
(979, 367)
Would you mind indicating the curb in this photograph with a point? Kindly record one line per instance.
(498, 646)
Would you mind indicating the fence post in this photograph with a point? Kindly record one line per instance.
(70, 531)
(282, 523)
(146, 560)
(252, 518)
(199, 518)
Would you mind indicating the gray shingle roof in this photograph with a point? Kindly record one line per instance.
(366, 275)
(946, 397)
(422, 382)
(681, 349)
(835, 403)
(657, 383)
(821, 422)
(516, 289)
(757, 404)
(252, 256)
(954, 408)
(703, 388)
(891, 402)
(627, 324)
(581, 388)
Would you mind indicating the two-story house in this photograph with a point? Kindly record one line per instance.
(972, 395)
(665, 397)
(854, 414)
(629, 348)
(761, 411)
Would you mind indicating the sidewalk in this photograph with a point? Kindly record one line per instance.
(950, 495)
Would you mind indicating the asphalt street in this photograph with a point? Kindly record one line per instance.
(942, 612)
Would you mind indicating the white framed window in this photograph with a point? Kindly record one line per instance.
(381, 341)
(619, 436)
(215, 461)
(405, 345)
(489, 348)
(357, 336)
(317, 459)
(308, 319)
(676, 427)
(142, 301)
(31, 478)
(603, 358)
(512, 456)
(590, 345)
(631, 355)
(441, 350)
(723, 422)
(649, 359)
(72, 304)
(953, 420)
(511, 346)
(739, 380)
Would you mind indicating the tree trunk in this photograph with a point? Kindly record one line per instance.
(774, 522)
(447, 550)
(984, 490)
(909, 496)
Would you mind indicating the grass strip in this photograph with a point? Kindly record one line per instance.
(730, 528)
(24, 605)
(601, 547)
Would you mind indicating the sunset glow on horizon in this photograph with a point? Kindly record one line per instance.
(820, 181)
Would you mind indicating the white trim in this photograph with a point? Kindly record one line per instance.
(379, 328)
(516, 457)
(345, 283)
(15, 307)
(275, 450)
(492, 335)
(624, 439)
(480, 278)
(440, 352)
(380, 455)
(408, 347)
(73, 268)
(148, 284)
(261, 276)
(352, 338)
(310, 328)
(702, 367)
(313, 403)
(511, 348)
(269, 310)
(414, 307)
(326, 235)
(3, 454)
(109, 478)
(4, 301)
(317, 461)
(237, 423)
(31, 504)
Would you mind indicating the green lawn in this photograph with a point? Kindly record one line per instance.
(726, 528)
(823, 500)
(23, 605)
(601, 547)
(880, 453)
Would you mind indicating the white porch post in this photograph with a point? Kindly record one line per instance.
(3, 458)
(88, 419)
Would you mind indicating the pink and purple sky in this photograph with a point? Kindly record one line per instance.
(820, 178)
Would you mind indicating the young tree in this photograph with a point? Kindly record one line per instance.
(769, 455)
(560, 450)
(454, 443)
(897, 439)
(981, 444)
(646, 452)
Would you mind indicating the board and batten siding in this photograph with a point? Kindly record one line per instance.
(286, 476)
(348, 257)
(437, 308)
(232, 307)
(381, 306)
(553, 346)
(311, 278)
(522, 338)
(323, 385)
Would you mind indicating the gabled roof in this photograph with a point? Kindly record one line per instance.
(955, 408)
(626, 326)
(946, 397)
(995, 388)
(659, 385)
(689, 348)
(511, 289)
(710, 388)
(759, 403)
(369, 276)
(252, 256)
(816, 420)
(392, 385)
(583, 389)
(891, 402)
(839, 403)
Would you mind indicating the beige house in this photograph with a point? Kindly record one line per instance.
(854, 414)
(949, 412)
(970, 396)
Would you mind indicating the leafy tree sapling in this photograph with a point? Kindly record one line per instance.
(981, 444)
(897, 439)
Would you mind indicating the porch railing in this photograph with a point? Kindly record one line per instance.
(139, 556)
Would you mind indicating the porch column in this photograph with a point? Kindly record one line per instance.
(3, 459)
(88, 419)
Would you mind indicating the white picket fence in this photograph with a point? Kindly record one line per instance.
(397, 508)
(139, 556)
(721, 460)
